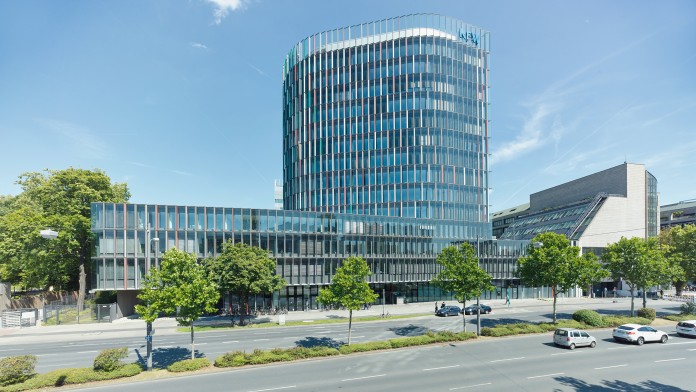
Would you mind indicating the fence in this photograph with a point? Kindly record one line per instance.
(19, 318)
(680, 298)
(56, 314)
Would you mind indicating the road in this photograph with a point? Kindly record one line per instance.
(523, 363)
(79, 350)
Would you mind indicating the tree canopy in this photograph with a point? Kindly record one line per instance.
(244, 270)
(639, 262)
(181, 286)
(461, 274)
(349, 288)
(552, 261)
(680, 249)
(59, 200)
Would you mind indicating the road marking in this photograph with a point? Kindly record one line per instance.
(617, 348)
(506, 359)
(274, 389)
(82, 345)
(443, 367)
(261, 340)
(691, 349)
(569, 352)
(87, 352)
(230, 341)
(13, 349)
(681, 343)
(363, 378)
(45, 355)
(610, 367)
(470, 386)
(669, 360)
(546, 375)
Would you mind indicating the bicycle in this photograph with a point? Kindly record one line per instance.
(385, 315)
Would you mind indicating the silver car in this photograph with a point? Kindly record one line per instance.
(571, 338)
(639, 334)
(687, 328)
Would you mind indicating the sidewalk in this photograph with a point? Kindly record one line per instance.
(126, 327)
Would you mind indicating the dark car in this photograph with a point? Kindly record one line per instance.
(449, 310)
(471, 309)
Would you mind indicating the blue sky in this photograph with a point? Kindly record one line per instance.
(182, 99)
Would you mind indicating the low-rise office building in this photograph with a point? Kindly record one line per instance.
(678, 214)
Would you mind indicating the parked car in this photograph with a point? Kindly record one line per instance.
(687, 328)
(639, 334)
(471, 309)
(571, 338)
(449, 310)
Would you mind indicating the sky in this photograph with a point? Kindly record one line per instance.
(181, 100)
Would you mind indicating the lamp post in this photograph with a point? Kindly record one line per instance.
(148, 265)
(51, 235)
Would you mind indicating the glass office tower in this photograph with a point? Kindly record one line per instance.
(389, 118)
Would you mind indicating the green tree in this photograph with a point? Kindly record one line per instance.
(639, 262)
(461, 274)
(680, 248)
(349, 288)
(59, 200)
(245, 271)
(553, 262)
(181, 286)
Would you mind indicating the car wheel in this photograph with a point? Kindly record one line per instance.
(664, 339)
(640, 341)
(572, 346)
(593, 344)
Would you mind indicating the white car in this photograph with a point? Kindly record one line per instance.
(639, 334)
(687, 328)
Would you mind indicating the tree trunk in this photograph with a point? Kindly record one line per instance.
(555, 295)
(350, 323)
(645, 296)
(632, 291)
(81, 292)
(679, 286)
(193, 347)
(148, 339)
(464, 315)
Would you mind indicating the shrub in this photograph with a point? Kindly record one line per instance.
(589, 317)
(109, 359)
(236, 358)
(68, 376)
(648, 313)
(688, 308)
(615, 321)
(14, 370)
(361, 347)
(189, 365)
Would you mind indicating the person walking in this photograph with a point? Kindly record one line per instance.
(507, 300)
(443, 305)
(435, 306)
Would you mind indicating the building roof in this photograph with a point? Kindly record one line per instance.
(514, 211)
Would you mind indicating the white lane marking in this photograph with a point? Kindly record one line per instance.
(443, 367)
(230, 341)
(45, 355)
(260, 340)
(346, 337)
(13, 349)
(610, 367)
(506, 359)
(546, 375)
(470, 386)
(569, 352)
(82, 345)
(669, 344)
(669, 360)
(691, 349)
(363, 378)
(266, 333)
(204, 336)
(617, 348)
(87, 352)
(274, 389)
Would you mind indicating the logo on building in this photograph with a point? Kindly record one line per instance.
(468, 36)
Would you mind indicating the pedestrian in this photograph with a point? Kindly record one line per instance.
(507, 300)
(435, 306)
(443, 305)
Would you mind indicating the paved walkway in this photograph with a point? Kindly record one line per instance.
(125, 327)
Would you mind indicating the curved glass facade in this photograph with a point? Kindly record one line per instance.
(389, 118)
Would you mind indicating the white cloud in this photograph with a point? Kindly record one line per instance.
(181, 173)
(529, 139)
(198, 45)
(80, 137)
(258, 70)
(223, 7)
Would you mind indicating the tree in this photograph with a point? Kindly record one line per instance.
(680, 249)
(461, 274)
(245, 271)
(60, 200)
(181, 286)
(553, 262)
(639, 262)
(349, 288)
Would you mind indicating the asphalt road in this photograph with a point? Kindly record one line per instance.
(171, 346)
(524, 363)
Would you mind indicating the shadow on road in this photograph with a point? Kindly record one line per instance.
(163, 357)
(617, 385)
(316, 342)
(410, 330)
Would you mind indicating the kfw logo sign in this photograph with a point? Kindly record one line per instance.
(468, 36)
